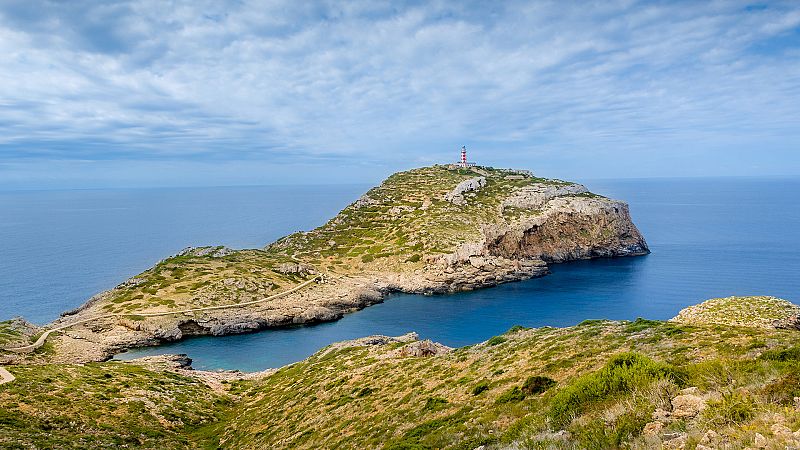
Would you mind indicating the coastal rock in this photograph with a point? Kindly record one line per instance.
(752, 312)
(371, 341)
(456, 196)
(535, 196)
(424, 348)
(212, 252)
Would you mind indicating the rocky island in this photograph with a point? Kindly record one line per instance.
(430, 230)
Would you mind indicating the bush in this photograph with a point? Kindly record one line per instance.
(483, 386)
(784, 390)
(621, 374)
(733, 409)
(496, 340)
(537, 384)
(516, 328)
(434, 404)
(512, 395)
(788, 354)
(367, 258)
(414, 258)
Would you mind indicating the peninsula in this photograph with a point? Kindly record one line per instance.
(430, 230)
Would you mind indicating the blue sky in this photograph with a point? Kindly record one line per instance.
(153, 93)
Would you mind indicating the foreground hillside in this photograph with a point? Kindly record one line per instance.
(428, 230)
(703, 380)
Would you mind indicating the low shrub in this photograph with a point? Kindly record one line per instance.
(496, 340)
(783, 390)
(622, 374)
(733, 409)
(516, 328)
(787, 354)
(512, 395)
(434, 404)
(537, 384)
(481, 387)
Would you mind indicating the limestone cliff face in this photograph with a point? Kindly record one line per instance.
(430, 230)
(570, 228)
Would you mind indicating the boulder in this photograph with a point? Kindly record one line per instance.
(687, 406)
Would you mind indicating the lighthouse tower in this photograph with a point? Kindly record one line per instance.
(463, 161)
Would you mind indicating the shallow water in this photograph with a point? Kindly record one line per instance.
(709, 237)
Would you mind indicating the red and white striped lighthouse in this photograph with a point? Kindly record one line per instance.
(463, 156)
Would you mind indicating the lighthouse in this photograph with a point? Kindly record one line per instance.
(463, 161)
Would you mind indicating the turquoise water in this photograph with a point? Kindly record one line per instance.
(709, 237)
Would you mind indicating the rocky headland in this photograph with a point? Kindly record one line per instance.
(431, 230)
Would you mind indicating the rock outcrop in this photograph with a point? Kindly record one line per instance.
(456, 196)
(752, 312)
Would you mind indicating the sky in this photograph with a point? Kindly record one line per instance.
(193, 93)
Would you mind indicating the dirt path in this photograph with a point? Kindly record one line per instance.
(43, 338)
(5, 376)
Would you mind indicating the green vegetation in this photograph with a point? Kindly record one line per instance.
(595, 385)
(108, 405)
(394, 225)
(621, 375)
(537, 384)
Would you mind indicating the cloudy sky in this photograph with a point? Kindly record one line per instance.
(154, 93)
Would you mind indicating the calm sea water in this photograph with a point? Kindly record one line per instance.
(709, 237)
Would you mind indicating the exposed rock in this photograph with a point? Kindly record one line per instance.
(710, 437)
(179, 361)
(760, 441)
(213, 252)
(781, 430)
(456, 196)
(295, 268)
(661, 415)
(674, 441)
(422, 349)
(751, 312)
(535, 196)
(369, 341)
(687, 406)
(652, 428)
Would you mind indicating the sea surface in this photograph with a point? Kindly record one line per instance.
(709, 238)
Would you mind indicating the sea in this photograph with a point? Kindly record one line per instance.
(709, 237)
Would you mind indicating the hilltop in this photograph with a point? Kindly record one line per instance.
(708, 383)
(429, 230)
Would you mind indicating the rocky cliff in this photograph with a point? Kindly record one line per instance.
(430, 230)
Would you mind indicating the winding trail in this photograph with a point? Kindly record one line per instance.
(43, 338)
(5, 376)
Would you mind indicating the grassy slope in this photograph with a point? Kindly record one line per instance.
(395, 232)
(407, 218)
(363, 397)
(104, 405)
(474, 396)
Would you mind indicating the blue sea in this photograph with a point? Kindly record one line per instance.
(709, 238)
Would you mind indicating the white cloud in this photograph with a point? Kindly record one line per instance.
(363, 80)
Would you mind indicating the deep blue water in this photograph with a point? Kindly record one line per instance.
(709, 237)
